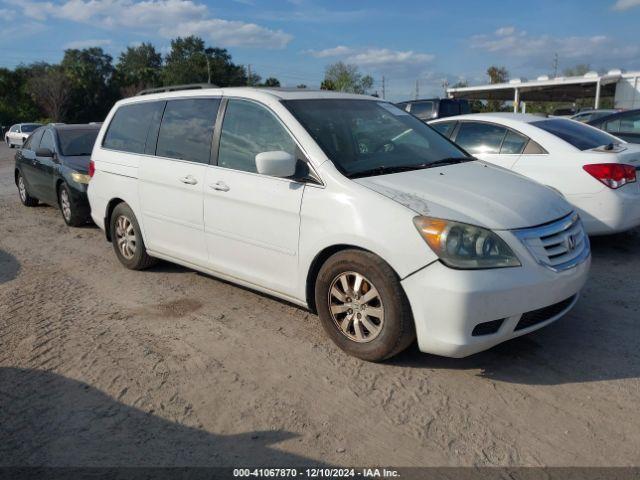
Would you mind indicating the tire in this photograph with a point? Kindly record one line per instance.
(129, 248)
(385, 326)
(26, 199)
(68, 209)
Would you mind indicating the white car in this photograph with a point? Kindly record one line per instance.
(344, 204)
(594, 170)
(18, 133)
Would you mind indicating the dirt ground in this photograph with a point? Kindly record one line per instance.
(100, 365)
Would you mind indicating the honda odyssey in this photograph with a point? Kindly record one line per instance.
(344, 204)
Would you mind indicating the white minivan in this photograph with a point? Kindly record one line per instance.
(344, 204)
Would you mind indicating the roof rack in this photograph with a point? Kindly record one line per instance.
(175, 88)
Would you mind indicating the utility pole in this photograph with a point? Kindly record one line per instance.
(383, 88)
(208, 69)
(555, 65)
(417, 88)
(249, 79)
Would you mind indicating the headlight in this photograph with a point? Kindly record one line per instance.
(80, 177)
(465, 246)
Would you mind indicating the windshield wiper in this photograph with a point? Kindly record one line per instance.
(451, 161)
(382, 169)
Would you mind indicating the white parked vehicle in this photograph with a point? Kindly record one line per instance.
(18, 133)
(344, 204)
(594, 170)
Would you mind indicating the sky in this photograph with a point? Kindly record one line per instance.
(428, 42)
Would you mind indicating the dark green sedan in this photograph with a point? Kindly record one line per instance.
(53, 168)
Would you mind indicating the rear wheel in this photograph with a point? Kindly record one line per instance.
(362, 306)
(68, 208)
(127, 241)
(26, 199)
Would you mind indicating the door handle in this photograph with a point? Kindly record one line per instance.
(220, 186)
(189, 180)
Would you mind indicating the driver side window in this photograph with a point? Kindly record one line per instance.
(47, 141)
(249, 129)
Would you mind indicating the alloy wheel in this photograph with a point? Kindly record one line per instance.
(126, 237)
(356, 307)
(22, 189)
(65, 204)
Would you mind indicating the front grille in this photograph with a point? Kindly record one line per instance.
(558, 245)
(534, 317)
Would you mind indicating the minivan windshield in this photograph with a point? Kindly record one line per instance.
(365, 137)
(577, 134)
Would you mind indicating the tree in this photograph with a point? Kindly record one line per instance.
(577, 71)
(272, 82)
(190, 62)
(346, 78)
(51, 92)
(90, 72)
(138, 68)
(496, 75)
(16, 104)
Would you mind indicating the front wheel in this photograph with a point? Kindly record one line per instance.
(126, 237)
(26, 199)
(362, 306)
(68, 208)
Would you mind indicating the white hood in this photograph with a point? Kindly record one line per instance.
(473, 192)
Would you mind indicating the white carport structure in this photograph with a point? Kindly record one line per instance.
(624, 87)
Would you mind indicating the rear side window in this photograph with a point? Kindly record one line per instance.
(624, 124)
(422, 109)
(580, 136)
(130, 125)
(445, 128)
(513, 143)
(186, 131)
(478, 138)
(449, 108)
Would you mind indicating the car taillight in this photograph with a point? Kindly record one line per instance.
(613, 175)
(92, 168)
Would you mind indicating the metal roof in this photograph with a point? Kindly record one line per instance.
(556, 89)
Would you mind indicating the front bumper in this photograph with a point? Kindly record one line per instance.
(448, 304)
(79, 197)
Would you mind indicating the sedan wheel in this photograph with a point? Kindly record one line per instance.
(26, 199)
(65, 205)
(22, 189)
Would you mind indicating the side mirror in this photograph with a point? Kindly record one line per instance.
(44, 152)
(276, 163)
